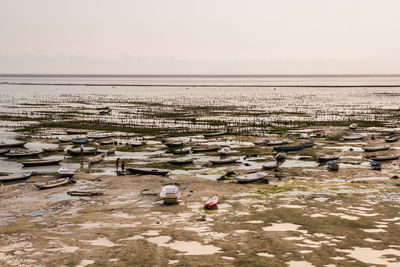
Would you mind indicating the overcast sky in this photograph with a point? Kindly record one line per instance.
(200, 36)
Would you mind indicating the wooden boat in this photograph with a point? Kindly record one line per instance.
(86, 150)
(376, 148)
(289, 148)
(225, 161)
(170, 194)
(392, 139)
(271, 165)
(333, 165)
(261, 142)
(224, 151)
(353, 126)
(80, 141)
(84, 193)
(53, 183)
(376, 165)
(354, 137)
(180, 161)
(211, 203)
(383, 158)
(280, 157)
(215, 134)
(148, 171)
(181, 151)
(100, 136)
(103, 108)
(174, 144)
(328, 157)
(139, 143)
(205, 149)
(15, 177)
(97, 158)
(15, 144)
(40, 162)
(4, 151)
(251, 177)
(76, 131)
(309, 143)
(64, 172)
(22, 154)
(66, 140)
(277, 143)
(108, 151)
(53, 149)
(106, 142)
(105, 112)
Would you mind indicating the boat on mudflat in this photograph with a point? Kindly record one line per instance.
(289, 148)
(22, 154)
(205, 149)
(211, 203)
(271, 165)
(148, 171)
(214, 134)
(376, 165)
(277, 142)
(106, 142)
(100, 136)
(84, 193)
(41, 162)
(53, 149)
(80, 141)
(97, 158)
(224, 151)
(180, 161)
(383, 158)
(14, 144)
(53, 183)
(108, 151)
(86, 150)
(392, 139)
(224, 161)
(15, 177)
(328, 157)
(76, 131)
(376, 148)
(174, 144)
(354, 137)
(64, 172)
(309, 143)
(4, 151)
(170, 194)
(251, 177)
(138, 143)
(333, 165)
(181, 151)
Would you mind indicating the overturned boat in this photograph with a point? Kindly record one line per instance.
(251, 177)
(170, 194)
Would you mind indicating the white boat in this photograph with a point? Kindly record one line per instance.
(353, 126)
(64, 172)
(97, 158)
(224, 151)
(354, 137)
(251, 177)
(328, 157)
(376, 148)
(271, 165)
(170, 194)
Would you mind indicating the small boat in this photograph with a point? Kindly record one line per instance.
(80, 141)
(4, 151)
(86, 150)
(84, 193)
(376, 148)
(106, 142)
(392, 139)
(97, 158)
(138, 143)
(174, 144)
(15, 177)
(170, 194)
(280, 157)
(76, 131)
(15, 144)
(353, 126)
(108, 151)
(102, 108)
(354, 137)
(224, 151)
(328, 157)
(40, 162)
(53, 149)
(180, 161)
(261, 142)
(224, 161)
(100, 136)
(289, 148)
(148, 171)
(215, 134)
(22, 154)
(66, 139)
(181, 151)
(53, 183)
(277, 142)
(376, 165)
(309, 143)
(333, 165)
(105, 112)
(271, 165)
(211, 203)
(64, 172)
(251, 177)
(383, 158)
(205, 149)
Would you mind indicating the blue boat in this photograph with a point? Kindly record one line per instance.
(376, 165)
(290, 148)
(81, 141)
(333, 165)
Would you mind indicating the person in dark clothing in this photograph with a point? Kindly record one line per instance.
(117, 164)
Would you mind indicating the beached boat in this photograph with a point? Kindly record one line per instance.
(353, 126)
(333, 165)
(211, 203)
(205, 149)
(66, 139)
(15, 177)
(106, 142)
(224, 151)
(271, 165)
(354, 137)
(80, 141)
(53, 149)
(383, 158)
(148, 171)
(84, 193)
(86, 150)
(261, 142)
(41, 162)
(170, 194)
(392, 139)
(76, 131)
(14, 144)
(100, 136)
(64, 172)
(280, 157)
(376, 148)
(215, 134)
(22, 154)
(182, 151)
(289, 148)
(174, 144)
(97, 158)
(224, 161)
(108, 151)
(5, 151)
(277, 142)
(251, 177)
(138, 143)
(328, 157)
(180, 161)
(105, 112)
(53, 183)
(309, 143)
(376, 165)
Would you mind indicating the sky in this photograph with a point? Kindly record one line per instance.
(200, 36)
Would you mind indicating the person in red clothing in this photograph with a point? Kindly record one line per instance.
(117, 164)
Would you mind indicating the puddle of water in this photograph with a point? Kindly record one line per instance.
(275, 227)
(291, 206)
(372, 256)
(299, 264)
(101, 241)
(84, 263)
(372, 240)
(62, 248)
(255, 221)
(135, 237)
(265, 254)
(374, 230)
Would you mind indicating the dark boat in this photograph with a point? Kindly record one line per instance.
(40, 162)
(224, 161)
(84, 193)
(139, 143)
(15, 177)
(376, 148)
(205, 149)
(174, 144)
(289, 148)
(73, 131)
(215, 134)
(4, 150)
(392, 139)
(333, 165)
(383, 158)
(376, 165)
(180, 161)
(22, 154)
(54, 183)
(15, 144)
(181, 151)
(148, 171)
(81, 141)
